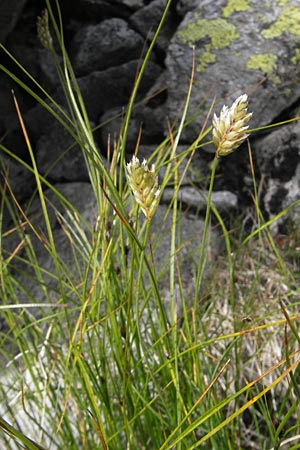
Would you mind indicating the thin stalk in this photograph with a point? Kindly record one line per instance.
(136, 87)
(51, 247)
(173, 302)
(204, 243)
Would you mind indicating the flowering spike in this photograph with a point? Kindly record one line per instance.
(43, 31)
(229, 130)
(144, 185)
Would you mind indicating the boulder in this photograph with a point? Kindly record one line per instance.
(103, 90)
(107, 44)
(238, 47)
(82, 198)
(58, 156)
(146, 21)
(278, 157)
(10, 13)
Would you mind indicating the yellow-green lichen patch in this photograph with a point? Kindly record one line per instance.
(219, 32)
(296, 58)
(235, 6)
(282, 2)
(287, 92)
(267, 63)
(288, 21)
(205, 59)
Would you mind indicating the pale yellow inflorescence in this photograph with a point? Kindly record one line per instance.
(230, 129)
(144, 185)
(43, 30)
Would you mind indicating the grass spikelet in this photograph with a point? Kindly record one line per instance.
(43, 31)
(144, 185)
(230, 129)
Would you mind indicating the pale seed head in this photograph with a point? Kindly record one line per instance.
(43, 31)
(144, 185)
(230, 129)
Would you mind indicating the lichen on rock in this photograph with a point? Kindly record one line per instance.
(235, 6)
(288, 21)
(219, 32)
(267, 63)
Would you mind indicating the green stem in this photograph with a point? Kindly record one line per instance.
(204, 243)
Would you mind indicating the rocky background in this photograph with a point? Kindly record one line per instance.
(239, 47)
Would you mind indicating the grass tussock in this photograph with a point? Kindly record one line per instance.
(112, 347)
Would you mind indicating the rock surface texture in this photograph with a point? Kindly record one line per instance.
(245, 46)
(237, 46)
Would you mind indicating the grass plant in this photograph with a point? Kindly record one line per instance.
(108, 360)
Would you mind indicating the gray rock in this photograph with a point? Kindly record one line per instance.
(10, 12)
(189, 175)
(21, 181)
(112, 87)
(111, 123)
(144, 119)
(184, 6)
(189, 237)
(10, 129)
(18, 183)
(82, 197)
(48, 73)
(98, 9)
(79, 194)
(134, 4)
(38, 121)
(195, 198)
(238, 48)
(146, 20)
(59, 158)
(279, 160)
(109, 43)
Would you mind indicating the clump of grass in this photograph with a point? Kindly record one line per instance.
(101, 362)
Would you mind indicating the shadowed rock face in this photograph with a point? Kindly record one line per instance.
(10, 13)
(237, 47)
(97, 47)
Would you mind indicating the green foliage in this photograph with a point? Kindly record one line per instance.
(106, 361)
